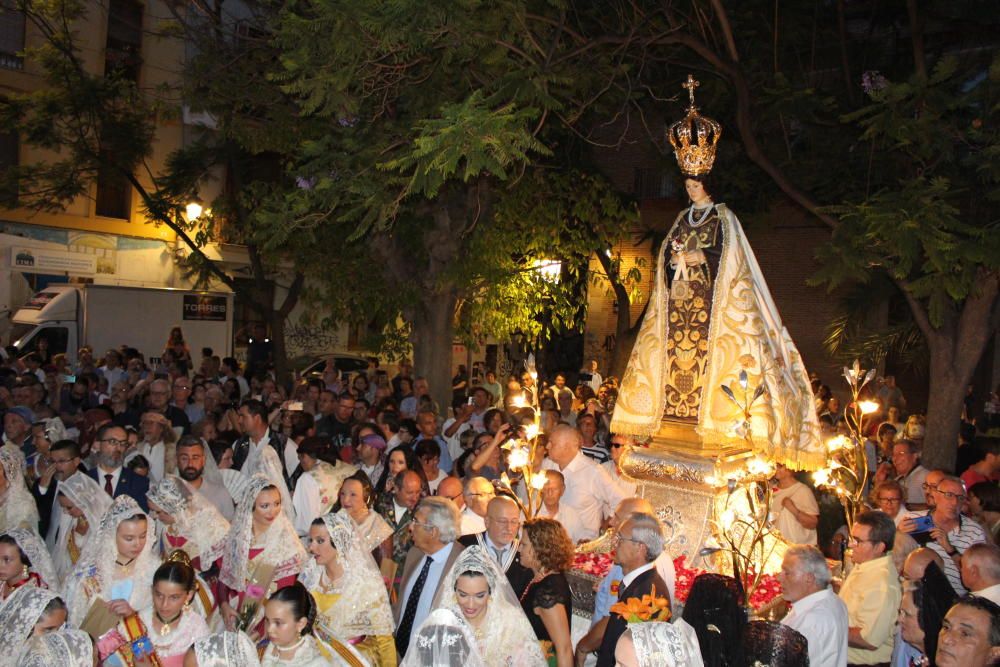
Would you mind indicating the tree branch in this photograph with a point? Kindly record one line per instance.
(918, 310)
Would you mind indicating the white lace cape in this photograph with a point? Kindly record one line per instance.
(196, 519)
(374, 530)
(507, 637)
(659, 644)
(67, 647)
(34, 548)
(226, 649)
(191, 628)
(281, 545)
(18, 616)
(444, 640)
(94, 574)
(88, 496)
(363, 606)
(17, 506)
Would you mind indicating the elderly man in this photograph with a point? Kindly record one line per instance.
(397, 510)
(17, 423)
(590, 492)
(981, 571)
(552, 492)
(871, 591)
(951, 533)
(639, 541)
(434, 530)
(908, 471)
(503, 521)
(159, 401)
(817, 612)
(477, 492)
(970, 634)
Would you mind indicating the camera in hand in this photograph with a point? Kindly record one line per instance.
(921, 533)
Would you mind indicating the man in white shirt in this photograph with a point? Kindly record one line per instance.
(981, 571)
(794, 507)
(590, 493)
(477, 493)
(817, 612)
(555, 487)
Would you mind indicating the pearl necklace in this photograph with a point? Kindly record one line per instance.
(702, 219)
(278, 649)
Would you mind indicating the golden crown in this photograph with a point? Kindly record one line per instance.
(697, 157)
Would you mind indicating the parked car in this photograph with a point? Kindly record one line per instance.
(347, 364)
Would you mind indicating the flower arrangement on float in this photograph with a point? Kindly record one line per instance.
(846, 473)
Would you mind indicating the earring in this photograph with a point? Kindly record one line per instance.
(187, 606)
(24, 572)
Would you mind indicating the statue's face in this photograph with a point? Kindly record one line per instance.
(696, 191)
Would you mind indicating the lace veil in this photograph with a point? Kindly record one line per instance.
(281, 544)
(68, 647)
(443, 640)
(17, 506)
(90, 498)
(226, 649)
(18, 617)
(666, 644)
(508, 638)
(197, 520)
(33, 547)
(267, 463)
(363, 605)
(93, 574)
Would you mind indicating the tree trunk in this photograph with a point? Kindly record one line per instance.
(956, 346)
(432, 332)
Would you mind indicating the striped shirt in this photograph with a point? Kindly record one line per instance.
(961, 537)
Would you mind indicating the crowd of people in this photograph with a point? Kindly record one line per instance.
(201, 513)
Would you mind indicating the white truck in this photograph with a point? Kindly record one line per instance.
(69, 316)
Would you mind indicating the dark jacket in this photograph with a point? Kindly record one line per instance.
(44, 501)
(518, 575)
(643, 585)
(129, 484)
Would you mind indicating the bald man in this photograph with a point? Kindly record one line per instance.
(451, 488)
(500, 540)
(590, 492)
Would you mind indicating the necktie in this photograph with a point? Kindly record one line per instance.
(498, 554)
(406, 623)
(107, 486)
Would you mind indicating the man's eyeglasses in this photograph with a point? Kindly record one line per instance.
(929, 487)
(454, 497)
(61, 461)
(115, 442)
(426, 526)
(619, 538)
(616, 445)
(852, 540)
(948, 495)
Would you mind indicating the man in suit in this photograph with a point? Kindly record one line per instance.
(435, 527)
(639, 542)
(65, 456)
(113, 477)
(253, 418)
(500, 539)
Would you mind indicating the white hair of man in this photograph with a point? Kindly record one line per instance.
(442, 514)
(810, 560)
(647, 529)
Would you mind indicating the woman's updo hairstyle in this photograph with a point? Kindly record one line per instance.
(176, 571)
(301, 601)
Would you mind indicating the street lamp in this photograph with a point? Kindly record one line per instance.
(548, 269)
(193, 210)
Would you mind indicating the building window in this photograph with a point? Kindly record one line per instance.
(9, 146)
(114, 193)
(654, 184)
(123, 51)
(11, 35)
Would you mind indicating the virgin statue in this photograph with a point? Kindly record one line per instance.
(710, 319)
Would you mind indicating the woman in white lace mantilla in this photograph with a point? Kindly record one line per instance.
(223, 649)
(27, 613)
(478, 594)
(659, 644)
(117, 565)
(351, 599)
(191, 523)
(17, 506)
(262, 552)
(357, 495)
(443, 640)
(24, 561)
(67, 647)
(83, 502)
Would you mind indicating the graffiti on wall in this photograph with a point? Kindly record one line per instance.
(306, 339)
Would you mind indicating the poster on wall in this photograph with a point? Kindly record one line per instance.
(39, 260)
